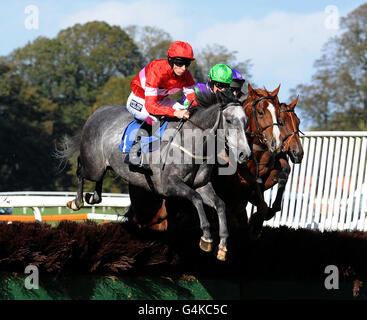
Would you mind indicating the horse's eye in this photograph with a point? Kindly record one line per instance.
(228, 121)
(281, 123)
(260, 112)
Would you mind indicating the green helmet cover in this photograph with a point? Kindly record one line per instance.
(221, 73)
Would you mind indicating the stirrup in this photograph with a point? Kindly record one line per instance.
(141, 164)
(137, 160)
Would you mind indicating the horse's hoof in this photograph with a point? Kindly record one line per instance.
(72, 205)
(206, 245)
(222, 254)
(89, 198)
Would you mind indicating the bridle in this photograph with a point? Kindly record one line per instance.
(287, 139)
(260, 130)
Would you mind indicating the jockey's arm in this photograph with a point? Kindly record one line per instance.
(152, 105)
(154, 108)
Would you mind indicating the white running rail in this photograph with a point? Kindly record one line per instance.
(37, 200)
(328, 191)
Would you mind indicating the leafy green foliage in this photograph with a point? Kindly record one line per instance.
(337, 97)
(25, 136)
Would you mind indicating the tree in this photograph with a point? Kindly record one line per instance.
(337, 97)
(115, 91)
(72, 68)
(67, 73)
(25, 135)
(152, 42)
(214, 54)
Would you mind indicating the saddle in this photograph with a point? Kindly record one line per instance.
(149, 141)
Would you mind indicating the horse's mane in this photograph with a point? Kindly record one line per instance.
(262, 92)
(206, 99)
(208, 102)
(258, 92)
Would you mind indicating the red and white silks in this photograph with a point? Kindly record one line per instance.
(151, 87)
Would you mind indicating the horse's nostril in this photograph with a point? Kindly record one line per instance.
(242, 157)
(273, 143)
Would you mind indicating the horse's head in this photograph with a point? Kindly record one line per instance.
(289, 127)
(234, 128)
(262, 109)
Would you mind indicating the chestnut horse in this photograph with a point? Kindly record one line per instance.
(262, 109)
(277, 171)
(265, 138)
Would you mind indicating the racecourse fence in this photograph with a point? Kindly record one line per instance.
(328, 191)
(38, 201)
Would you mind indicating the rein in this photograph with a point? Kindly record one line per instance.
(170, 142)
(196, 125)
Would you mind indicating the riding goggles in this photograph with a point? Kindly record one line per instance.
(179, 62)
(221, 85)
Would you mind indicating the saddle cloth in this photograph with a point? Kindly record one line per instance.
(146, 143)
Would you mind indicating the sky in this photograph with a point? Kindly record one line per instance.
(282, 38)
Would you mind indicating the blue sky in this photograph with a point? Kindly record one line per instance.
(282, 38)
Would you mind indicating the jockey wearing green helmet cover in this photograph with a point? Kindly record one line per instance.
(221, 74)
(220, 78)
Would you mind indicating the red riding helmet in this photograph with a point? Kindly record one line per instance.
(180, 49)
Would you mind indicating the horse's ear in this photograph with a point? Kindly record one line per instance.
(293, 104)
(251, 91)
(275, 92)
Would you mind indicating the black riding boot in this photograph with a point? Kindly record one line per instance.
(136, 156)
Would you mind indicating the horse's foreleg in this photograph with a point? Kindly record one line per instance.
(211, 199)
(277, 204)
(176, 187)
(282, 178)
(257, 219)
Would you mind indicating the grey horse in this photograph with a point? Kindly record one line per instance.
(221, 118)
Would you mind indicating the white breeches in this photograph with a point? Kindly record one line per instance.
(136, 106)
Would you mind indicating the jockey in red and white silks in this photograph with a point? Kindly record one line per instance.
(160, 78)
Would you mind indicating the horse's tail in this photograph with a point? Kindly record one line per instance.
(69, 147)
